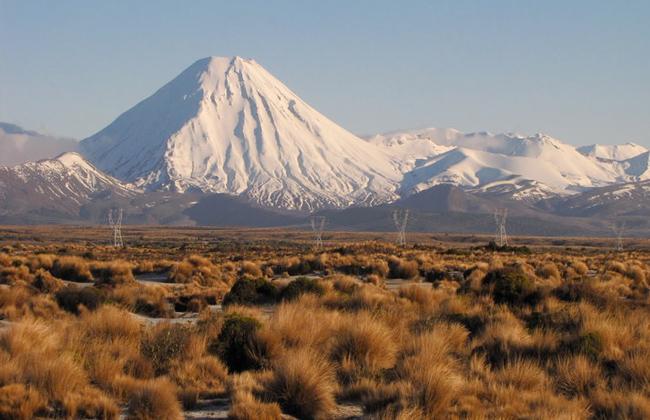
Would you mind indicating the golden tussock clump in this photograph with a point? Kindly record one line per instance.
(251, 269)
(304, 384)
(245, 393)
(153, 399)
(113, 273)
(402, 269)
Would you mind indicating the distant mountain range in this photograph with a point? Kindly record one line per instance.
(226, 143)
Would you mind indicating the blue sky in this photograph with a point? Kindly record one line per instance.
(578, 70)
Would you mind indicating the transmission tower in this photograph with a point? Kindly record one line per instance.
(317, 225)
(400, 218)
(619, 229)
(501, 237)
(116, 224)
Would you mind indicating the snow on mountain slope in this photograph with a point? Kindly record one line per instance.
(411, 148)
(472, 168)
(487, 160)
(227, 125)
(19, 146)
(637, 168)
(612, 152)
(68, 178)
(615, 200)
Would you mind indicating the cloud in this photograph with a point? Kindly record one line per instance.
(19, 146)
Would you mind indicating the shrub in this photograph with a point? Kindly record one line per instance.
(114, 273)
(616, 266)
(637, 274)
(204, 376)
(147, 300)
(90, 404)
(400, 269)
(246, 407)
(46, 283)
(509, 285)
(110, 323)
(300, 286)
(423, 295)
(548, 270)
(251, 292)
(303, 383)
(585, 290)
(235, 341)
(576, 375)
(72, 269)
(251, 269)
(70, 297)
(164, 343)
(430, 375)
(154, 399)
(580, 267)
(13, 275)
(364, 346)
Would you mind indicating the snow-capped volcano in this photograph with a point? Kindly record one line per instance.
(227, 125)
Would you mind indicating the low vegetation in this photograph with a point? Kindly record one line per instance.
(275, 329)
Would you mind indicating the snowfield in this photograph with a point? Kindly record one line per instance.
(226, 125)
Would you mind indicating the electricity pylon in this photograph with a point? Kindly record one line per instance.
(501, 237)
(619, 229)
(400, 218)
(116, 224)
(317, 225)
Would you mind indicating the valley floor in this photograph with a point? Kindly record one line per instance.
(256, 324)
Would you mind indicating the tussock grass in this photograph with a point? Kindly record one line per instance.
(303, 383)
(485, 334)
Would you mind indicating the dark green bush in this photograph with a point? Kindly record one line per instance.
(72, 269)
(303, 267)
(300, 286)
(235, 343)
(492, 246)
(251, 292)
(70, 297)
(509, 285)
(433, 275)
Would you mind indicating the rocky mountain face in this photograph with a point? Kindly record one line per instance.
(55, 189)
